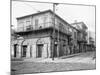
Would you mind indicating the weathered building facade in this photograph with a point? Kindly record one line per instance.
(35, 36)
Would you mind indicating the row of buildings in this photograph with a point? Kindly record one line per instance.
(34, 36)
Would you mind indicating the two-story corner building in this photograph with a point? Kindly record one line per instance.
(81, 35)
(35, 36)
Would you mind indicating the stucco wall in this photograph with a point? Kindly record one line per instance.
(32, 19)
(32, 47)
(59, 24)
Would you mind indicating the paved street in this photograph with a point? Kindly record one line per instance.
(81, 61)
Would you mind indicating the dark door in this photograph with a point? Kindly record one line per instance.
(55, 51)
(24, 51)
(15, 50)
(40, 47)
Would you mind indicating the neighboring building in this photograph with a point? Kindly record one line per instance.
(74, 48)
(91, 41)
(81, 35)
(91, 37)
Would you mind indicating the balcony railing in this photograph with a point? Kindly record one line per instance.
(30, 27)
(34, 27)
(81, 39)
(42, 26)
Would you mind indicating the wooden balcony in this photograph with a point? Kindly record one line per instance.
(81, 40)
(43, 26)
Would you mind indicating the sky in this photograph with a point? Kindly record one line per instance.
(69, 13)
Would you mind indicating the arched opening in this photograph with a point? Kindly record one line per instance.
(39, 50)
(24, 50)
(39, 45)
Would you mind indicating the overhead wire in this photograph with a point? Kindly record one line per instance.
(31, 7)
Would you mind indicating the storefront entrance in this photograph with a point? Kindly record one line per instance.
(15, 50)
(24, 51)
(55, 51)
(39, 49)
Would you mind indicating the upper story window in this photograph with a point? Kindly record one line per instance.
(20, 26)
(45, 20)
(70, 29)
(52, 20)
(36, 23)
(64, 28)
(79, 35)
(28, 23)
(60, 26)
(75, 35)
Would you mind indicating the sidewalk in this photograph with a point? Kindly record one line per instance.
(86, 57)
(74, 58)
(50, 59)
(69, 56)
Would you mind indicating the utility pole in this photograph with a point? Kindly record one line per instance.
(53, 40)
(58, 42)
(53, 35)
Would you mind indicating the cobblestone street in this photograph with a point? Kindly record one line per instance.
(82, 61)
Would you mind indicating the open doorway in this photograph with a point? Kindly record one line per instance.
(24, 50)
(55, 51)
(39, 49)
(15, 50)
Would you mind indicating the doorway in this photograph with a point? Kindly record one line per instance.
(24, 51)
(55, 51)
(39, 50)
(15, 50)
